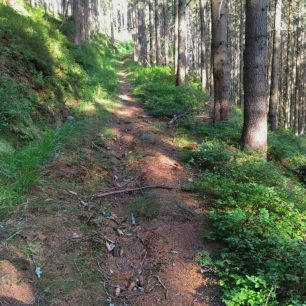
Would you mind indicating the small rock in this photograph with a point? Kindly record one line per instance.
(119, 232)
(147, 136)
(174, 252)
(75, 235)
(117, 291)
(131, 286)
(149, 157)
(140, 289)
(141, 281)
(38, 271)
(70, 118)
(133, 220)
(110, 246)
(117, 251)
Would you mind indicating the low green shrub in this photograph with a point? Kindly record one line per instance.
(156, 87)
(257, 218)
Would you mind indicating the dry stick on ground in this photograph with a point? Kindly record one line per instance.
(181, 115)
(105, 194)
(162, 284)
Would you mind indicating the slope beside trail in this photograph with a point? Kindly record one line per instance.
(62, 229)
(158, 255)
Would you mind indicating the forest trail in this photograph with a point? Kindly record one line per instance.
(62, 229)
(158, 255)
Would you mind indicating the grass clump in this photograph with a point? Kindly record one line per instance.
(146, 206)
(156, 87)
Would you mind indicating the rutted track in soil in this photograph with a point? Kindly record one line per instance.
(158, 255)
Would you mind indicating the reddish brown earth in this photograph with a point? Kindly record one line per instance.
(63, 228)
(161, 252)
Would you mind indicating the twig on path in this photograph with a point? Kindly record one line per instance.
(77, 268)
(140, 270)
(181, 115)
(105, 194)
(162, 284)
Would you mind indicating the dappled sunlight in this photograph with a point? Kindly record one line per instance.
(14, 286)
(126, 97)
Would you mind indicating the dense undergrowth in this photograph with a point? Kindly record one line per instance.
(257, 205)
(44, 79)
(156, 87)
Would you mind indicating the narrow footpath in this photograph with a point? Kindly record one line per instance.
(158, 264)
(53, 250)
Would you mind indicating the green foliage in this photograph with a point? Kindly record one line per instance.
(42, 75)
(258, 218)
(146, 206)
(43, 72)
(228, 132)
(156, 86)
(20, 169)
(288, 150)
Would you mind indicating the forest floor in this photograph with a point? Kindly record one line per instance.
(63, 230)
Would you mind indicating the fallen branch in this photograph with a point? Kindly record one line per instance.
(181, 115)
(162, 284)
(105, 194)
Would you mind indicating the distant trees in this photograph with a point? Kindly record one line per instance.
(181, 45)
(207, 40)
(276, 69)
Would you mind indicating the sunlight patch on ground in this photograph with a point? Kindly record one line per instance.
(126, 97)
(13, 285)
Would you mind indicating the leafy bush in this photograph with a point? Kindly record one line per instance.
(156, 87)
(257, 219)
(290, 151)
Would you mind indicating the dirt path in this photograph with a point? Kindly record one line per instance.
(158, 263)
(62, 230)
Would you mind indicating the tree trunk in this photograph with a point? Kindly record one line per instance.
(298, 56)
(275, 73)
(152, 34)
(254, 135)
(204, 82)
(221, 71)
(241, 45)
(165, 32)
(157, 32)
(176, 24)
(142, 32)
(181, 67)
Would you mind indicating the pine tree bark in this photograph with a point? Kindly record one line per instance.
(165, 30)
(157, 32)
(204, 82)
(181, 66)
(142, 39)
(152, 34)
(275, 72)
(220, 58)
(255, 128)
(241, 45)
(176, 24)
(297, 98)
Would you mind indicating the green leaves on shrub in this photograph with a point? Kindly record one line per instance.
(257, 215)
(156, 87)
